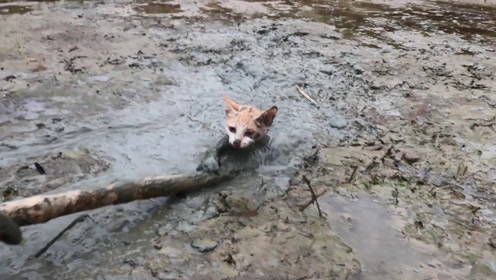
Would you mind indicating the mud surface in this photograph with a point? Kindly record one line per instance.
(402, 140)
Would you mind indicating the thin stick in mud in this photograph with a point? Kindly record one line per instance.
(314, 196)
(58, 236)
(311, 201)
(302, 92)
(353, 174)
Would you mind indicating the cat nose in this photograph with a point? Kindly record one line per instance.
(237, 143)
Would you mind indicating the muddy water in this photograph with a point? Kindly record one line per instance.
(102, 110)
(367, 225)
(139, 86)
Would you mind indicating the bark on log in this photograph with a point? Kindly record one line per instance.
(42, 208)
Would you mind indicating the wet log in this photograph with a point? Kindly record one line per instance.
(42, 208)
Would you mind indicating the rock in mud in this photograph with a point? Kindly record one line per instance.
(234, 205)
(410, 157)
(343, 192)
(58, 128)
(337, 122)
(204, 245)
(141, 274)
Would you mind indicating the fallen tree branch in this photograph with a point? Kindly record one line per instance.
(42, 208)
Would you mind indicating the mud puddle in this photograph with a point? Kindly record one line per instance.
(150, 106)
(134, 88)
(366, 225)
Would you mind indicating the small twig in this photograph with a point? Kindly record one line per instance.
(353, 174)
(71, 225)
(314, 196)
(313, 158)
(302, 92)
(388, 153)
(305, 206)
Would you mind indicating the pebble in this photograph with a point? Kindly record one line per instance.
(59, 128)
(204, 245)
(342, 191)
(410, 157)
(337, 122)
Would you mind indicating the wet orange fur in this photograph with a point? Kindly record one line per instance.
(247, 118)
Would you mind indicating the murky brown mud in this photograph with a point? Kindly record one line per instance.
(107, 90)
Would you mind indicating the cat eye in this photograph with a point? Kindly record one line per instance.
(249, 133)
(232, 129)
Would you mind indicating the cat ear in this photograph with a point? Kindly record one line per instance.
(267, 117)
(231, 108)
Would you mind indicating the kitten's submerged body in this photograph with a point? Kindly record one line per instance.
(246, 128)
